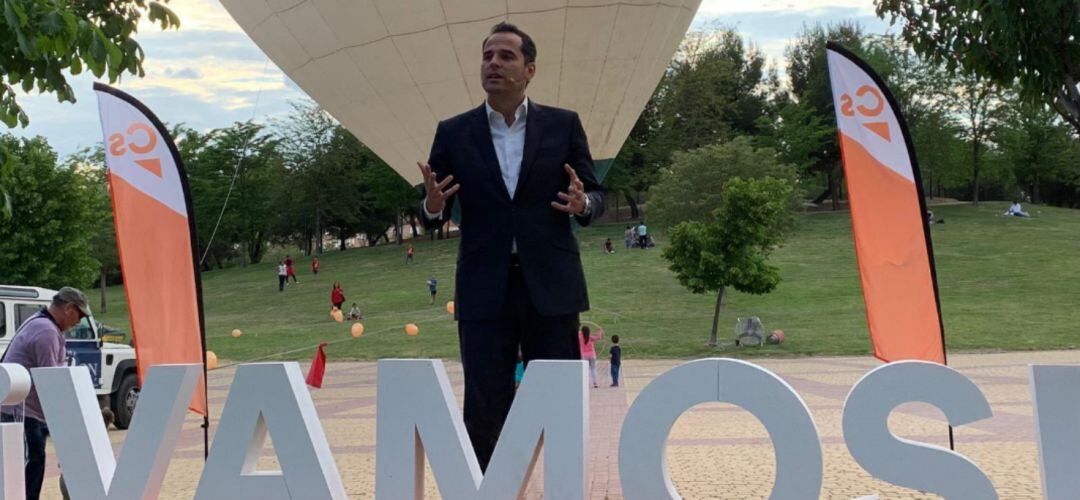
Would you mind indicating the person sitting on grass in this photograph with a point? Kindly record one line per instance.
(1016, 211)
(354, 312)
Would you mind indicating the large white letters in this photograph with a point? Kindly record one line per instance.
(417, 416)
(270, 397)
(907, 463)
(14, 386)
(82, 442)
(642, 451)
(1055, 394)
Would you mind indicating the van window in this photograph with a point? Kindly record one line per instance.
(24, 311)
(81, 331)
(3, 320)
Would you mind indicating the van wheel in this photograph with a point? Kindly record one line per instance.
(125, 399)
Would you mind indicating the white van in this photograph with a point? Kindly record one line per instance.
(112, 366)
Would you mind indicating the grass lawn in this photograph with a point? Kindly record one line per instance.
(1006, 284)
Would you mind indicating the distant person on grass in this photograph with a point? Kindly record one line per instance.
(587, 344)
(409, 254)
(643, 235)
(616, 360)
(315, 266)
(628, 235)
(354, 313)
(337, 296)
(608, 248)
(433, 288)
(282, 275)
(289, 271)
(1016, 210)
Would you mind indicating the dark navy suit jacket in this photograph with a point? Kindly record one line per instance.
(491, 220)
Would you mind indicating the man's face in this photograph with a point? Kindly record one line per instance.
(504, 69)
(70, 317)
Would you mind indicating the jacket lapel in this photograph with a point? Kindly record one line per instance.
(481, 136)
(534, 128)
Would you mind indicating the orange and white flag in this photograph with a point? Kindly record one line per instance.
(888, 214)
(155, 237)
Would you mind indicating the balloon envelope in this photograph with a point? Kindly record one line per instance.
(412, 330)
(211, 360)
(236, 333)
(357, 330)
(450, 307)
(390, 70)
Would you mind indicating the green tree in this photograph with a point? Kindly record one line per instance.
(940, 151)
(1034, 44)
(712, 90)
(46, 242)
(693, 186)
(732, 248)
(304, 137)
(975, 100)
(800, 135)
(808, 71)
(247, 159)
(1033, 144)
(89, 165)
(43, 39)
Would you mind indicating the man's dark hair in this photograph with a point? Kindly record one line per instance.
(614, 339)
(528, 48)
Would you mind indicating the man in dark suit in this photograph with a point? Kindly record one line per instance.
(518, 171)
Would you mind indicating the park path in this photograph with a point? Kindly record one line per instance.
(714, 450)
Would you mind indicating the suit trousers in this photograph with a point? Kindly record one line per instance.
(489, 354)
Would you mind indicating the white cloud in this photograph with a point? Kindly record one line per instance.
(197, 15)
(210, 74)
(718, 7)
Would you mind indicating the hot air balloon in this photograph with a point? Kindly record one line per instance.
(390, 70)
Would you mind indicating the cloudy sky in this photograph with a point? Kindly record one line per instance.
(210, 74)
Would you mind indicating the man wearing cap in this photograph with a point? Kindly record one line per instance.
(40, 343)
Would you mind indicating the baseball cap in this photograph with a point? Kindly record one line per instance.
(74, 297)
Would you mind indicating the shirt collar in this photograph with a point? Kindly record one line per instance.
(519, 114)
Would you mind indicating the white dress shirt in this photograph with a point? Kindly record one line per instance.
(509, 142)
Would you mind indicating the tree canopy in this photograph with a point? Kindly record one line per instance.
(1035, 45)
(732, 247)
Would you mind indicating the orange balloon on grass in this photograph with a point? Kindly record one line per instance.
(412, 330)
(236, 333)
(357, 330)
(450, 307)
(211, 360)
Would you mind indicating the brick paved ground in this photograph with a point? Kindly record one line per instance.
(715, 450)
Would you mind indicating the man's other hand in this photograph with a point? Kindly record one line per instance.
(575, 200)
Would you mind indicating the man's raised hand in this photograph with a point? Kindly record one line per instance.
(576, 201)
(437, 192)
